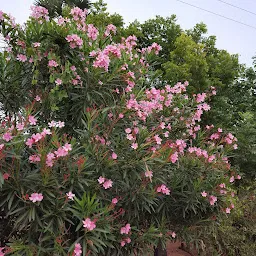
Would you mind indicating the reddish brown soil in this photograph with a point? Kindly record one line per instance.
(173, 249)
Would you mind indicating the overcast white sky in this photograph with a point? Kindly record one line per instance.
(231, 36)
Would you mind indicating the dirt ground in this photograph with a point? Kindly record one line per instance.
(174, 250)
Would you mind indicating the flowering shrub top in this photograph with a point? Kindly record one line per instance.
(127, 163)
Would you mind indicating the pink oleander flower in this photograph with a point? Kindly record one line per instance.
(32, 120)
(7, 136)
(61, 152)
(1, 146)
(70, 195)
(158, 139)
(36, 137)
(89, 224)
(174, 157)
(35, 197)
(134, 146)
(58, 81)
(52, 124)
(238, 177)
(123, 243)
(101, 180)
(30, 142)
(128, 240)
(222, 185)
(163, 189)
(173, 234)
(110, 28)
(148, 174)
(1, 248)
(20, 126)
(37, 98)
(107, 184)
(74, 41)
(204, 194)
(227, 210)
(232, 179)
(114, 155)
(21, 57)
(45, 132)
(211, 158)
(78, 249)
(34, 158)
(52, 63)
(67, 147)
(130, 137)
(73, 68)
(60, 124)
(212, 200)
(114, 200)
(200, 97)
(49, 159)
(6, 176)
(36, 44)
(126, 229)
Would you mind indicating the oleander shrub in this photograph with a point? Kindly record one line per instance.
(94, 159)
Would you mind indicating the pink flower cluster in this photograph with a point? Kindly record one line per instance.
(78, 249)
(36, 197)
(40, 13)
(74, 41)
(34, 158)
(7, 136)
(36, 137)
(126, 229)
(78, 14)
(89, 224)
(105, 182)
(58, 124)
(1, 248)
(102, 60)
(92, 32)
(163, 189)
(200, 97)
(22, 57)
(60, 152)
(213, 200)
(125, 241)
(154, 47)
(174, 157)
(110, 28)
(202, 153)
(52, 63)
(113, 49)
(32, 120)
